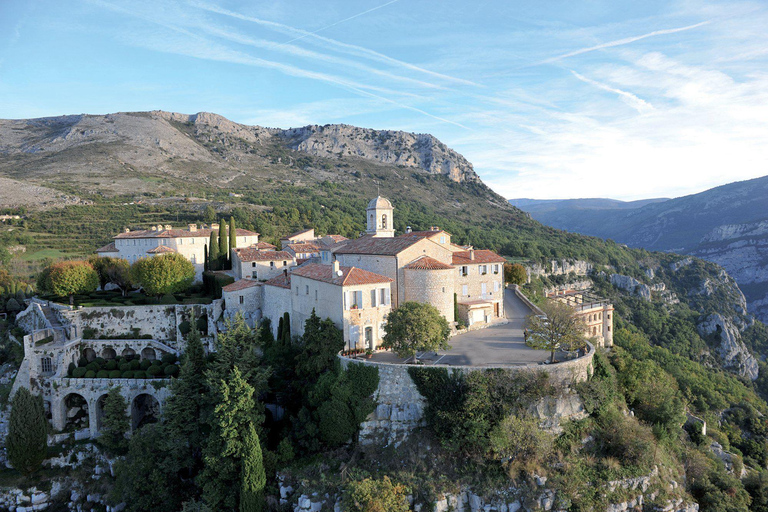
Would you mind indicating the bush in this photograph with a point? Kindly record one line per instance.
(92, 366)
(90, 374)
(127, 375)
(135, 364)
(169, 358)
(102, 374)
(145, 364)
(111, 365)
(124, 367)
(138, 374)
(71, 369)
(100, 361)
(115, 374)
(167, 299)
(79, 373)
(371, 495)
(155, 370)
(171, 370)
(185, 328)
(521, 443)
(82, 361)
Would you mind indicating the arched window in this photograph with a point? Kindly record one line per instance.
(47, 365)
(384, 221)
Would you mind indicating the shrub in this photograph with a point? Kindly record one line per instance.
(71, 369)
(184, 328)
(79, 373)
(155, 370)
(167, 299)
(100, 361)
(138, 374)
(92, 366)
(169, 358)
(371, 495)
(90, 374)
(82, 361)
(171, 370)
(521, 443)
(128, 375)
(115, 374)
(124, 367)
(102, 374)
(111, 365)
(135, 364)
(145, 364)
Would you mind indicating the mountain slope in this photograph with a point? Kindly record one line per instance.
(727, 225)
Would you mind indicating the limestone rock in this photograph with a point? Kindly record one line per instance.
(631, 285)
(731, 348)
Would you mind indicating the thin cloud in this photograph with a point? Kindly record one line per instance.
(626, 40)
(633, 101)
(348, 48)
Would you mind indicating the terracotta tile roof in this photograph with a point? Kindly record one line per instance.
(110, 247)
(305, 247)
(336, 238)
(424, 234)
(281, 281)
(253, 254)
(471, 303)
(350, 276)
(242, 284)
(264, 246)
(292, 235)
(161, 249)
(379, 246)
(481, 256)
(428, 263)
(178, 233)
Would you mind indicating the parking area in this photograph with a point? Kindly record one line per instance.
(501, 344)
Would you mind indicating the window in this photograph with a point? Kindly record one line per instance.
(496, 286)
(465, 290)
(297, 290)
(442, 239)
(306, 289)
(384, 296)
(46, 364)
(181, 241)
(496, 269)
(253, 264)
(483, 289)
(483, 270)
(272, 264)
(373, 298)
(464, 271)
(254, 274)
(315, 294)
(384, 221)
(242, 299)
(285, 263)
(443, 289)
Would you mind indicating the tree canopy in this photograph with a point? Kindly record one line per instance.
(68, 278)
(27, 440)
(560, 329)
(415, 327)
(167, 273)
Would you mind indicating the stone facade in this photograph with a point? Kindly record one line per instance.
(261, 265)
(595, 313)
(432, 286)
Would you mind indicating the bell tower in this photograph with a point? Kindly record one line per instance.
(379, 218)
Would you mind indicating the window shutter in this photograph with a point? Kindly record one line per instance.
(373, 298)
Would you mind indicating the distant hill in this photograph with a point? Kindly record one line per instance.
(727, 225)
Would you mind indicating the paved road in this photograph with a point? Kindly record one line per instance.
(497, 345)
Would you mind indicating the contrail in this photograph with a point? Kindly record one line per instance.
(338, 22)
(352, 49)
(620, 42)
(638, 104)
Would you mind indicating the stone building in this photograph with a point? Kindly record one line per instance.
(160, 239)
(595, 312)
(262, 265)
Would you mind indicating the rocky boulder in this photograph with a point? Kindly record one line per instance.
(731, 348)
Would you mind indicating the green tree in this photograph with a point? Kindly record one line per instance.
(206, 260)
(322, 342)
(27, 439)
(209, 215)
(167, 273)
(253, 477)
(223, 246)
(520, 443)
(370, 495)
(560, 329)
(232, 236)
(213, 252)
(414, 327)
(515, 274)
(68, 278)
(115, 422)
(113, 270)
(286, 328)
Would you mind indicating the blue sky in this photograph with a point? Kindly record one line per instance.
(552, 99)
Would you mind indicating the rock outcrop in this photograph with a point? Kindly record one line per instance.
(631, 285)
(730, 348)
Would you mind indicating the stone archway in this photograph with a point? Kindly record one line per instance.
(89, 354)
(128, 352)
(100, 411)
(144, 409)
(149, 353)
(75, 409)
(108, 353)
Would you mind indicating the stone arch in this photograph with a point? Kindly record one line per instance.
(384, 221)
(128, 352)
(149, 353)
(145, 409)
(89, 354)
(47, 407)
(75, 409)
(108, 353)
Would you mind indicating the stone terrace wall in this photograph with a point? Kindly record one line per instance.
(400, 406)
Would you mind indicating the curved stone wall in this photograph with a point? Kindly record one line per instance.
(434, 287)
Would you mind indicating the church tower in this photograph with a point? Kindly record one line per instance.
(380, 221)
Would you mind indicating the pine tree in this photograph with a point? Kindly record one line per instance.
(213, 256)
(253, 477)
(115, 422)
(223, 246)
(27, 440)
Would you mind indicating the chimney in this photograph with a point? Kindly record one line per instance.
(434, 228)
(336, 266)
(215, 226)
(192, 228)
(159, 227)
(472, 254)
(168, 226)
(127, 230)
(153, 228)
(408, 229)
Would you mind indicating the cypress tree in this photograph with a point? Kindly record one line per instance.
(232, 235)
(286, 328)
(223, 246)
(206, 265)
(213, 257)
(280, 329)
(253, 477)
(115, 422)
(27, 439)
